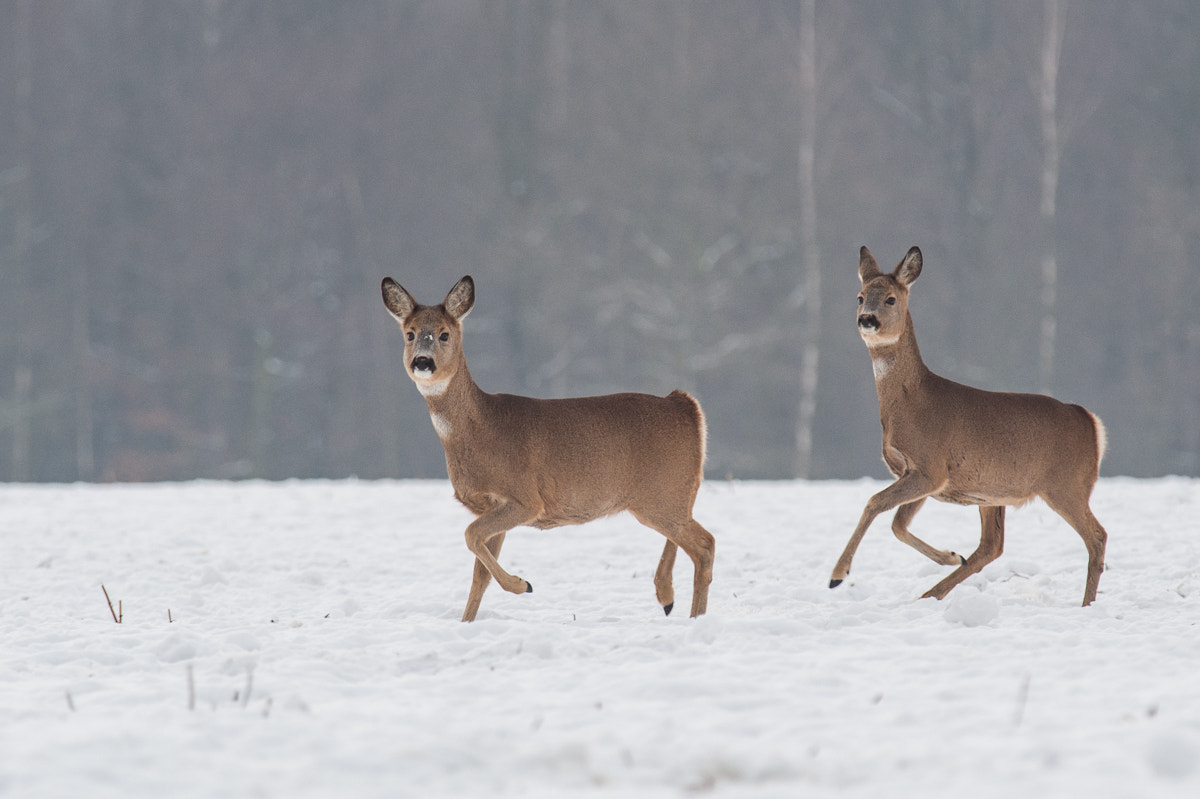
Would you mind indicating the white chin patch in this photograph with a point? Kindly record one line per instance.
(876, 340)
(430, 389)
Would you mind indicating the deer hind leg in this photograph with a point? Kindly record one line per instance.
(502, 517)
(991, 544)
(480, 579)
(700, 546)
(697, 543)
(909, 489)
(1078, 514)
(904, 516)
(663, 587)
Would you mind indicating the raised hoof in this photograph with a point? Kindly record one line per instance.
(964, 560)
(528, 587)
(668, 608)
(834, 583)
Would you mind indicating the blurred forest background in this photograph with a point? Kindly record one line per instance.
(198, 199)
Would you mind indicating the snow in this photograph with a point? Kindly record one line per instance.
(314, 649)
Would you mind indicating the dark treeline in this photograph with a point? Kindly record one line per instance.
(199, 199)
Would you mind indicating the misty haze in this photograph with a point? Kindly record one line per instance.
(198, 202)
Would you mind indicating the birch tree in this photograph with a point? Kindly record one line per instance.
(19, 254)
(1052, 36)
(810, 269)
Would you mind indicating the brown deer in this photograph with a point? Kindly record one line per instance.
(967, 446)
(545, 463)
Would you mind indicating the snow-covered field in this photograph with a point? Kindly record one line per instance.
(314, 649)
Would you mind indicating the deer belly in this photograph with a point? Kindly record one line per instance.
(562, 513)
(957, 497)
(974, 495)
(547, 521)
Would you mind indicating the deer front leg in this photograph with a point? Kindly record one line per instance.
(991, 544)
(912, 486)
(495, 522)
(480, 579)
(904, 516)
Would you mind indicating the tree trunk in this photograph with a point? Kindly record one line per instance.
(85, 456)
(21, 202)
(809, 251)
(1051, 48)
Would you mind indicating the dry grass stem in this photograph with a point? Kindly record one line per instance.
(116, 617)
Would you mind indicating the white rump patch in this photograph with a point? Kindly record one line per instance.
(441, 424)
(430, 389)
(703, 434)
(1101, 439)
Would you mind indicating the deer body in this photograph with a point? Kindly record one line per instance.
(965, 445)
(542, 463)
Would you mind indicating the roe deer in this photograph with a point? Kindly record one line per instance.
(545, 463)
(967, 446)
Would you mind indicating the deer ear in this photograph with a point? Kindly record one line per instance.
(910, 268)
(461, 298)
(398, 301)
(867, 267)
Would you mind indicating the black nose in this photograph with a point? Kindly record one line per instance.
(868, 322)
(423, 363)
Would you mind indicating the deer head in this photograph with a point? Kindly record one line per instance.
(883, 301)
(432, 333)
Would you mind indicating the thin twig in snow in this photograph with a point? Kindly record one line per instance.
(116, 618)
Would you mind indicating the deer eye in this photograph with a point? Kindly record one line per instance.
(444, 337)
(891, 300)
(860, 299)
(411, 336)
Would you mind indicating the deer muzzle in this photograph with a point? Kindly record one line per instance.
(868, 323)
(423, 366)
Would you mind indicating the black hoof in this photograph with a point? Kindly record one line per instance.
(834, 583)
(668, 608)
(528, 587)
(964, 560)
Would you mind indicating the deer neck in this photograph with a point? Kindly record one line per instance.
(898, 367)
(456, 405)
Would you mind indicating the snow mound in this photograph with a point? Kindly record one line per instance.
(971, 608)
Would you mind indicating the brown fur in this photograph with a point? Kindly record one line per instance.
(967, 446)
(546, 463)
